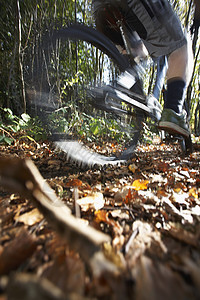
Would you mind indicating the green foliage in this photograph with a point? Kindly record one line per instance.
(11, 124)
(35, 130)
(85, 127)
(35, 19)
(14, 123)
(150, 131)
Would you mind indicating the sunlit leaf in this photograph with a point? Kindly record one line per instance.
(25, 117)
(101, 216)
(193, 193)
(140, 184)
(113, 255)
(95, 201)
(94, 129)
(30, 218)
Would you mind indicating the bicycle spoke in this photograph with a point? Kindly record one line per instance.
(72, 70)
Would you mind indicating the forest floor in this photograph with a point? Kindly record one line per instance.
(150, 208)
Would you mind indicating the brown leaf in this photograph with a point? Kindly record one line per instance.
(161, 193)
(54, 162)
(184, 236)
(73, 182)
(68, 273)
(128, 197)
(163, 167)
(132, 168)
(16, 252)
(103, 216)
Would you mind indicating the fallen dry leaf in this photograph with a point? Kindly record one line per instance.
(163, 167)
(193, 193)
(103, 216)
(140, 184)
(73, 183)
(67, 272)
(153, 226)
(30, 218)
(184, 236)
(115, 256)
(95, 201)
(16, 251)
(132, 168)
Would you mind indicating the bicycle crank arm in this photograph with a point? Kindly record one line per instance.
(111, 98)
(131, 101)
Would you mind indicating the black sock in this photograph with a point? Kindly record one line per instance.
(175, 95)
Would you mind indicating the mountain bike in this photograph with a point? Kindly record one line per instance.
(90, 97)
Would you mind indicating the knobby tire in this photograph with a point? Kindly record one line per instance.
(55, 92)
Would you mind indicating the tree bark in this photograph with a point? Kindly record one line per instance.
(20, 54)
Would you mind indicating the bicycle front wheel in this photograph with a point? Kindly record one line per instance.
(77, 69)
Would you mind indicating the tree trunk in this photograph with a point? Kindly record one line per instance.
(21, 55)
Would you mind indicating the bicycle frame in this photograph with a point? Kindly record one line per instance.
(110, 98)
(128, 78)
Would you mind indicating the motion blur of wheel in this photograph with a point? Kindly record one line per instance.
(70, 89)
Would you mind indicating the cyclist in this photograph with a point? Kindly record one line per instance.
(160, 30)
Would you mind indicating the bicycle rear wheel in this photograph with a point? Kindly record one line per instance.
(77, 66)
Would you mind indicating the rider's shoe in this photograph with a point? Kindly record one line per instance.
(174, 123)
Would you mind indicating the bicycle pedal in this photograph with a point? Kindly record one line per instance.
(127, 80)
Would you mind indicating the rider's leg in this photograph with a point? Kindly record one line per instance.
(160, 76)
(180, 66)
(180, 63)
(178, 77)
(164, 36)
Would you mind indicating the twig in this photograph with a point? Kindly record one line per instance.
(23, 177)
(77, 207)
(8, 133)
(131, 238)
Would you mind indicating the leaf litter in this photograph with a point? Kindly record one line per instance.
(150, 208)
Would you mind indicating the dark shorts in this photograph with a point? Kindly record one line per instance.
(158, 27)
(163, 29)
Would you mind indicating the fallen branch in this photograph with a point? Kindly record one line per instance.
(22, 176)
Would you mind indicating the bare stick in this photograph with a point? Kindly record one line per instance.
(23, 177)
